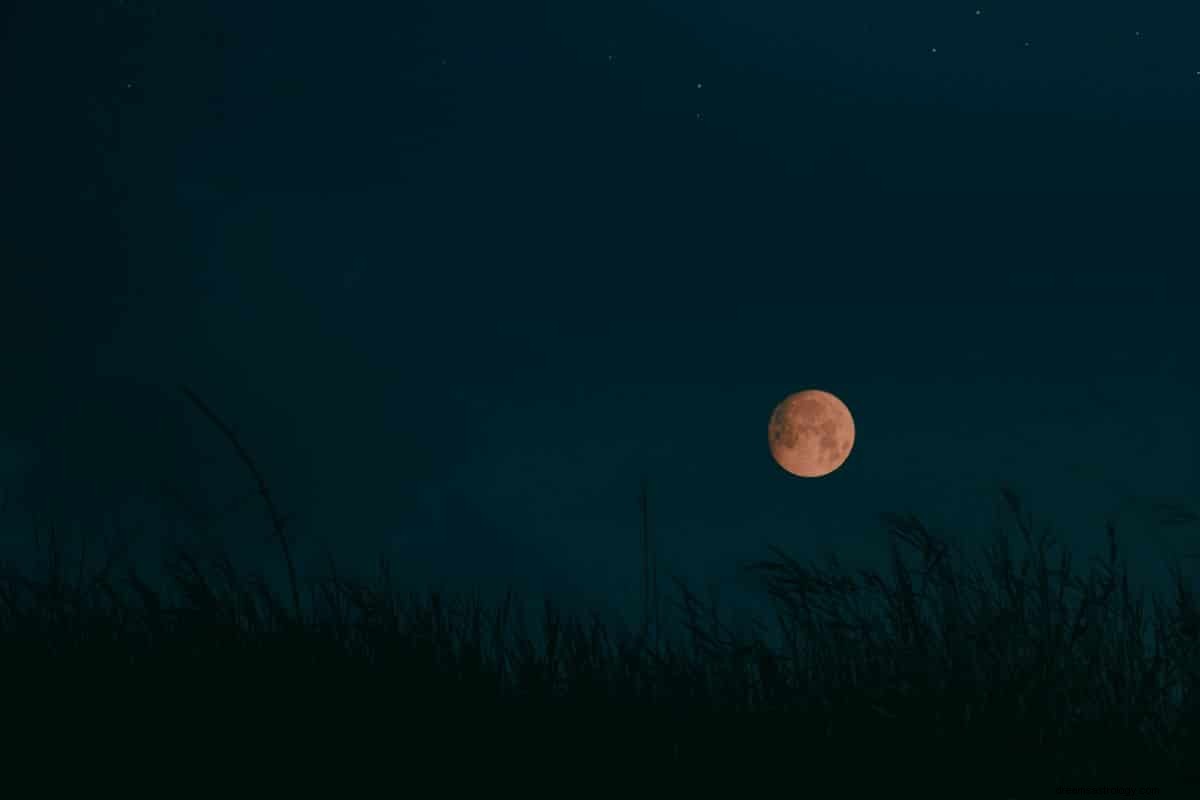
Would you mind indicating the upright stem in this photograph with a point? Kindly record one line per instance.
(650, 605)
(642, 503)
(278, 521)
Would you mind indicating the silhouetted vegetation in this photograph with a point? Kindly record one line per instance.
(1012, 672)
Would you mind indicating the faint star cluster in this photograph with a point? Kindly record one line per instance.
(938, 48)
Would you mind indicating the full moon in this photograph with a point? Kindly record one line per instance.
(810, 433)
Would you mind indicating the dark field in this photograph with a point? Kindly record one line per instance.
(1015, 671)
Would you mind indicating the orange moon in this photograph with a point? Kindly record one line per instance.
(810, 433)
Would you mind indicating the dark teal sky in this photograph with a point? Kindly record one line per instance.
(461, 272)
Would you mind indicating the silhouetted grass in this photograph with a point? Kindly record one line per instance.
(1014, 667)
(1008, 673)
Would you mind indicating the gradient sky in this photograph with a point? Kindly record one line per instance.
(461, 273)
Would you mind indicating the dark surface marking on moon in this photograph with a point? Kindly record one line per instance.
(786, 427)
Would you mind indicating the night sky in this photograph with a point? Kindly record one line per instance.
(461, 273)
